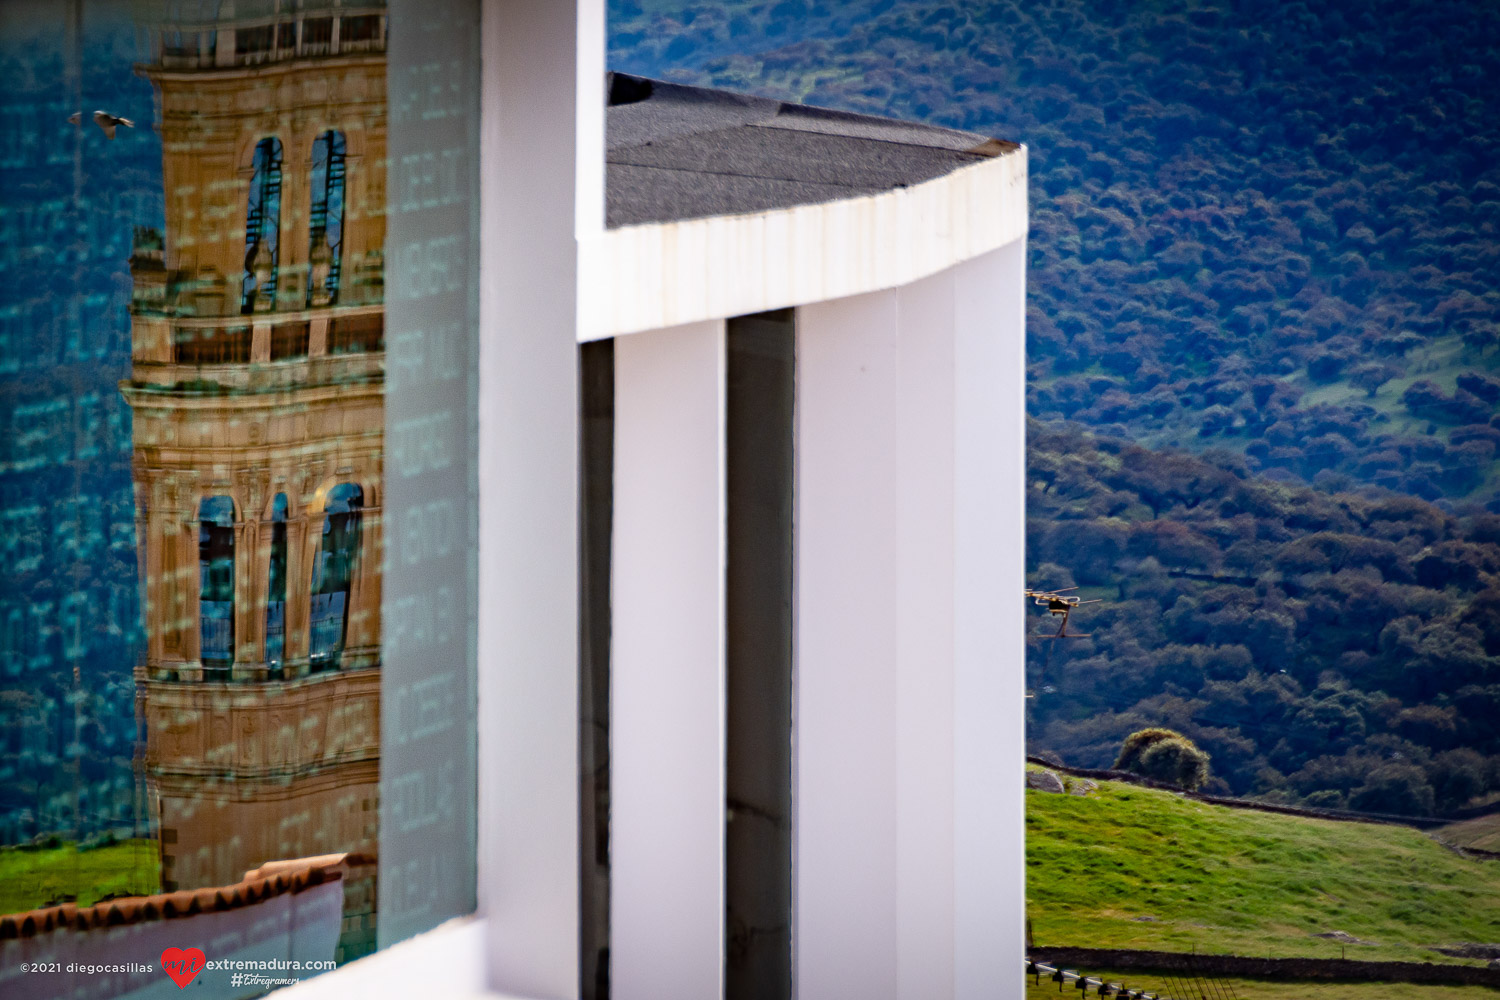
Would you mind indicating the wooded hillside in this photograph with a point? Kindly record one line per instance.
(1329, 648)
(1265, 227)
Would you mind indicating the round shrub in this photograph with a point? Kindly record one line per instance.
(1165, 755)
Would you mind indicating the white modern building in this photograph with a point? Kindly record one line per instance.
(750, 444)
(704, 570)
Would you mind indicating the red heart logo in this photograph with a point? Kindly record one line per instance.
(183, 964)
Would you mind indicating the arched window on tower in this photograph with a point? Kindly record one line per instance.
(262, 228)
(216, 586)
(333, 573)
(326, 220)
(276, 593)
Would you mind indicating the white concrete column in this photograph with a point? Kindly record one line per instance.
(925, 588)
(909, 726)
(667, 658)
(844, 709)
(542, 82)
(989, 620)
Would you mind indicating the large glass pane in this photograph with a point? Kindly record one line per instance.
(428, 776)
(206, 678)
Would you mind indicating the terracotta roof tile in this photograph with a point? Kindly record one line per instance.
(272, 879)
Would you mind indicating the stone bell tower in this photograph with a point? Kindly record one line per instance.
(256, 391)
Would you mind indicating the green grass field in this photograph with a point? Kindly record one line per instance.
(1262, 989)
(1482, 833)
(29, 879)
(1128, 867)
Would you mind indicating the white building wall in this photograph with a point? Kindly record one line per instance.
(909, 722)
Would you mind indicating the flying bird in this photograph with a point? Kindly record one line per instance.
(104, 120)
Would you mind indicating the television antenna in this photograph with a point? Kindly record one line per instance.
(1059, 603)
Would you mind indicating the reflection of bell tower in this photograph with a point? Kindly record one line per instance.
(257, 390)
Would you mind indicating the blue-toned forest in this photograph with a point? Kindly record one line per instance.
(1264, 355)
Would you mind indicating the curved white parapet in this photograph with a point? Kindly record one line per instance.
(660, 275)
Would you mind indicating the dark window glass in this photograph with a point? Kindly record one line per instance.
(212, 345)
(317, 32)
(262, 228)
(333, 577)
(353, 334)
(326, 220)
(216, 586)
(365, 28)
(253, 42)
(179, 44)
(276, 592)
(289, 340)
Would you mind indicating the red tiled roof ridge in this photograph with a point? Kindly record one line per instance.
(274, 878)
(345, 860)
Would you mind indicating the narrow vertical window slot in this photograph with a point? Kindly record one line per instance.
(596, 519)
(758, 662)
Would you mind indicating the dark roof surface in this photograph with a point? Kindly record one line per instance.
(676, 152)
